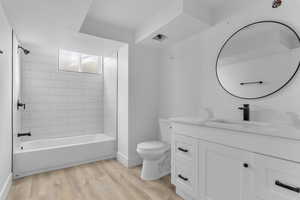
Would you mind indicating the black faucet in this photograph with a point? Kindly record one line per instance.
(20, 104)
(246, 112)
(23, 134)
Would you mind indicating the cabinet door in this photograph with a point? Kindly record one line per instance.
(225, 173)
(276, 179)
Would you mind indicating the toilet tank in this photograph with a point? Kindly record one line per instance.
(165, 130)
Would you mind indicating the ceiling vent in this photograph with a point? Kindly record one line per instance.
(160, 37)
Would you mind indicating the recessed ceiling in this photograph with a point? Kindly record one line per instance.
(128, 14)
(132, 14)
(66, 14)
(55, 24)
(47, 21)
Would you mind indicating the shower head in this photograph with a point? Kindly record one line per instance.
(26, 51)
(276, 3)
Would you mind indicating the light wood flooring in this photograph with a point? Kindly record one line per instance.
(103, 180)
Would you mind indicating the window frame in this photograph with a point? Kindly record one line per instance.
(100, 63)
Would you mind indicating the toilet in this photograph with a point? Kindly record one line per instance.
(156, 155)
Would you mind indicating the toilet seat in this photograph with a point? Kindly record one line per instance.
(153, 146)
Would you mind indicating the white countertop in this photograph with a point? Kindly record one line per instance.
(260, 128)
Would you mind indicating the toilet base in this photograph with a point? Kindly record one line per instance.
(155, 169)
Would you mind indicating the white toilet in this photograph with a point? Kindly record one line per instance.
(157, 154)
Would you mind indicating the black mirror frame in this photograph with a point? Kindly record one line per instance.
(236, 32)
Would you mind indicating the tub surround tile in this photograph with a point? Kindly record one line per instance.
(60, 103)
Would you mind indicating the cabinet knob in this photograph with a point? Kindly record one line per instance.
(246, 165)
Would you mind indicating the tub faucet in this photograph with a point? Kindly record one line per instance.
(246, 112)
(20, 104)
(24, 134)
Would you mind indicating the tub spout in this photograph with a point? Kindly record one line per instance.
(24, 134)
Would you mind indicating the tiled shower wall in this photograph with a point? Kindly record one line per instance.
(60, 103)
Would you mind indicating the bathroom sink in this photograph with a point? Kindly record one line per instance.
(248, 126)
(287, 131)
(236, 122)
(189, 120)
(261, 128)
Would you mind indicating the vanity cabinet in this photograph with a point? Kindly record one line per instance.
(206, 170)
(203, 169)
(225, 173)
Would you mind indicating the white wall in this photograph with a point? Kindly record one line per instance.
(139, 83)
(5, 104)
(110, 73)
(138, 100)
(188, 79)
(59, 103)
(123, 104)
(144, 88)
(180, 81)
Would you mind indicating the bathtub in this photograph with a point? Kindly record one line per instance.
(43, 155)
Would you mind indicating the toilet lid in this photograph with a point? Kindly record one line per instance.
(152, 145)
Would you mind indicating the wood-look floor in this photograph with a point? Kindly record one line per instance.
(103, 180)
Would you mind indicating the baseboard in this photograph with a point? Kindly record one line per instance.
(183, 195)
(128, 162)
(6, 187)
(135, 162)
(122, 159)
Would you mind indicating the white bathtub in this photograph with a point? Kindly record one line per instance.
(49, 154)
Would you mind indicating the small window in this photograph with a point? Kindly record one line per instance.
(69, 61)
(78, 62)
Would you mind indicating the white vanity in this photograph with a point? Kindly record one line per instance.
(236, 160)
(222, 160)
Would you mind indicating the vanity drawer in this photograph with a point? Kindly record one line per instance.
(184, 147)
(185, 177)
(276, 179)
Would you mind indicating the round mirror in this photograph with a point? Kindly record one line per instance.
(258, 60)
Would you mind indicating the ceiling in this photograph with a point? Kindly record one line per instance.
(51, 21)
(129, 14)
(214, 3)
(46, 24)
(66, 14)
